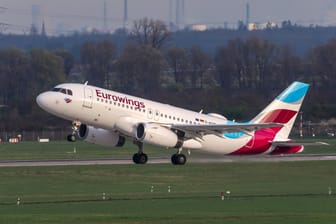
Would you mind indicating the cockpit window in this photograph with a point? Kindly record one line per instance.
(61, 90)
(69, 92)
(56, 89)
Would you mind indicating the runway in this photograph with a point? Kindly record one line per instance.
(166, 160)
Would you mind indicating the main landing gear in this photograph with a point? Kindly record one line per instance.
(178, 159)
(140, 157)
(75, 126)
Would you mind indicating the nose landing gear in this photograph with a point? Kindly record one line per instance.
(75, 126)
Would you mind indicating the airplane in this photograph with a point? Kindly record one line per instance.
(108, 118)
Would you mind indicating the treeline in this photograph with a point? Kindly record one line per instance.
(300, 39)
(237, 81)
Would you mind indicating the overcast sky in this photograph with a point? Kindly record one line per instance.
(75, 14)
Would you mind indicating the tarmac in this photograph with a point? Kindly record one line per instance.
(166, 160)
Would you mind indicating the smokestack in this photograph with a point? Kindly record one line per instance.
(247, 14)
(125, 14)
(177, 14)
(182, 13)
(170, 11)
(105, 17)
(36, 16)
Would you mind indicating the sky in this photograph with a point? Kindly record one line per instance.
(69, 15)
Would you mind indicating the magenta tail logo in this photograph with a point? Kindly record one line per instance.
(67, 100)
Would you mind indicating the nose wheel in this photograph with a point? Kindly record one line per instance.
(71, 138)
(75, 126)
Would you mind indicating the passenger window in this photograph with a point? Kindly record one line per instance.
(63, 91)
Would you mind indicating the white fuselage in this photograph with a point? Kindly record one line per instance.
(104, 108)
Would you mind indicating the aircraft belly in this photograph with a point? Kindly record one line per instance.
(215, 144)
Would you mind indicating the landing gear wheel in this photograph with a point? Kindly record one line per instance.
(71, 138)
(75, 127)
(178, 159)
(140, 158)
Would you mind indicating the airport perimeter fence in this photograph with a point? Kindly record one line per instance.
(58, 135)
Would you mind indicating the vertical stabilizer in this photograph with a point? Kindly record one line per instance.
(284, 109)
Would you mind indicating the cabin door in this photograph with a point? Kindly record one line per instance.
(88, 97)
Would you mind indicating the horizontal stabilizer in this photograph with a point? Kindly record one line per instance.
(295, 143)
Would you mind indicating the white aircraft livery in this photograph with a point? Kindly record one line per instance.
(107, 118)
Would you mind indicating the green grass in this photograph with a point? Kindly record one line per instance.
(286, 192)
(277, 192)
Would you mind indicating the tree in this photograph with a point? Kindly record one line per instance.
(14, 65)
(246, 64)
(138, 69)
(229, 64)
(46, 70)
(322, 59)
(199, 63)
(150, 32)
(260, 61)
(67, 58)
(24, 75)
(289, 67)
(98, 60)
(178, 62)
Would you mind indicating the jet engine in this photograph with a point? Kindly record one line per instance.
(157, 135)
(100, 136)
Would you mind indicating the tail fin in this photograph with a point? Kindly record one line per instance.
(284, 109)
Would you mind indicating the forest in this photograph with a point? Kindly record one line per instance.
(236, 78)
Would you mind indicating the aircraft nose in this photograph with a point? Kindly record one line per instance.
(42, 100)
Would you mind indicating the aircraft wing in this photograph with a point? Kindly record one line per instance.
(198, 130)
